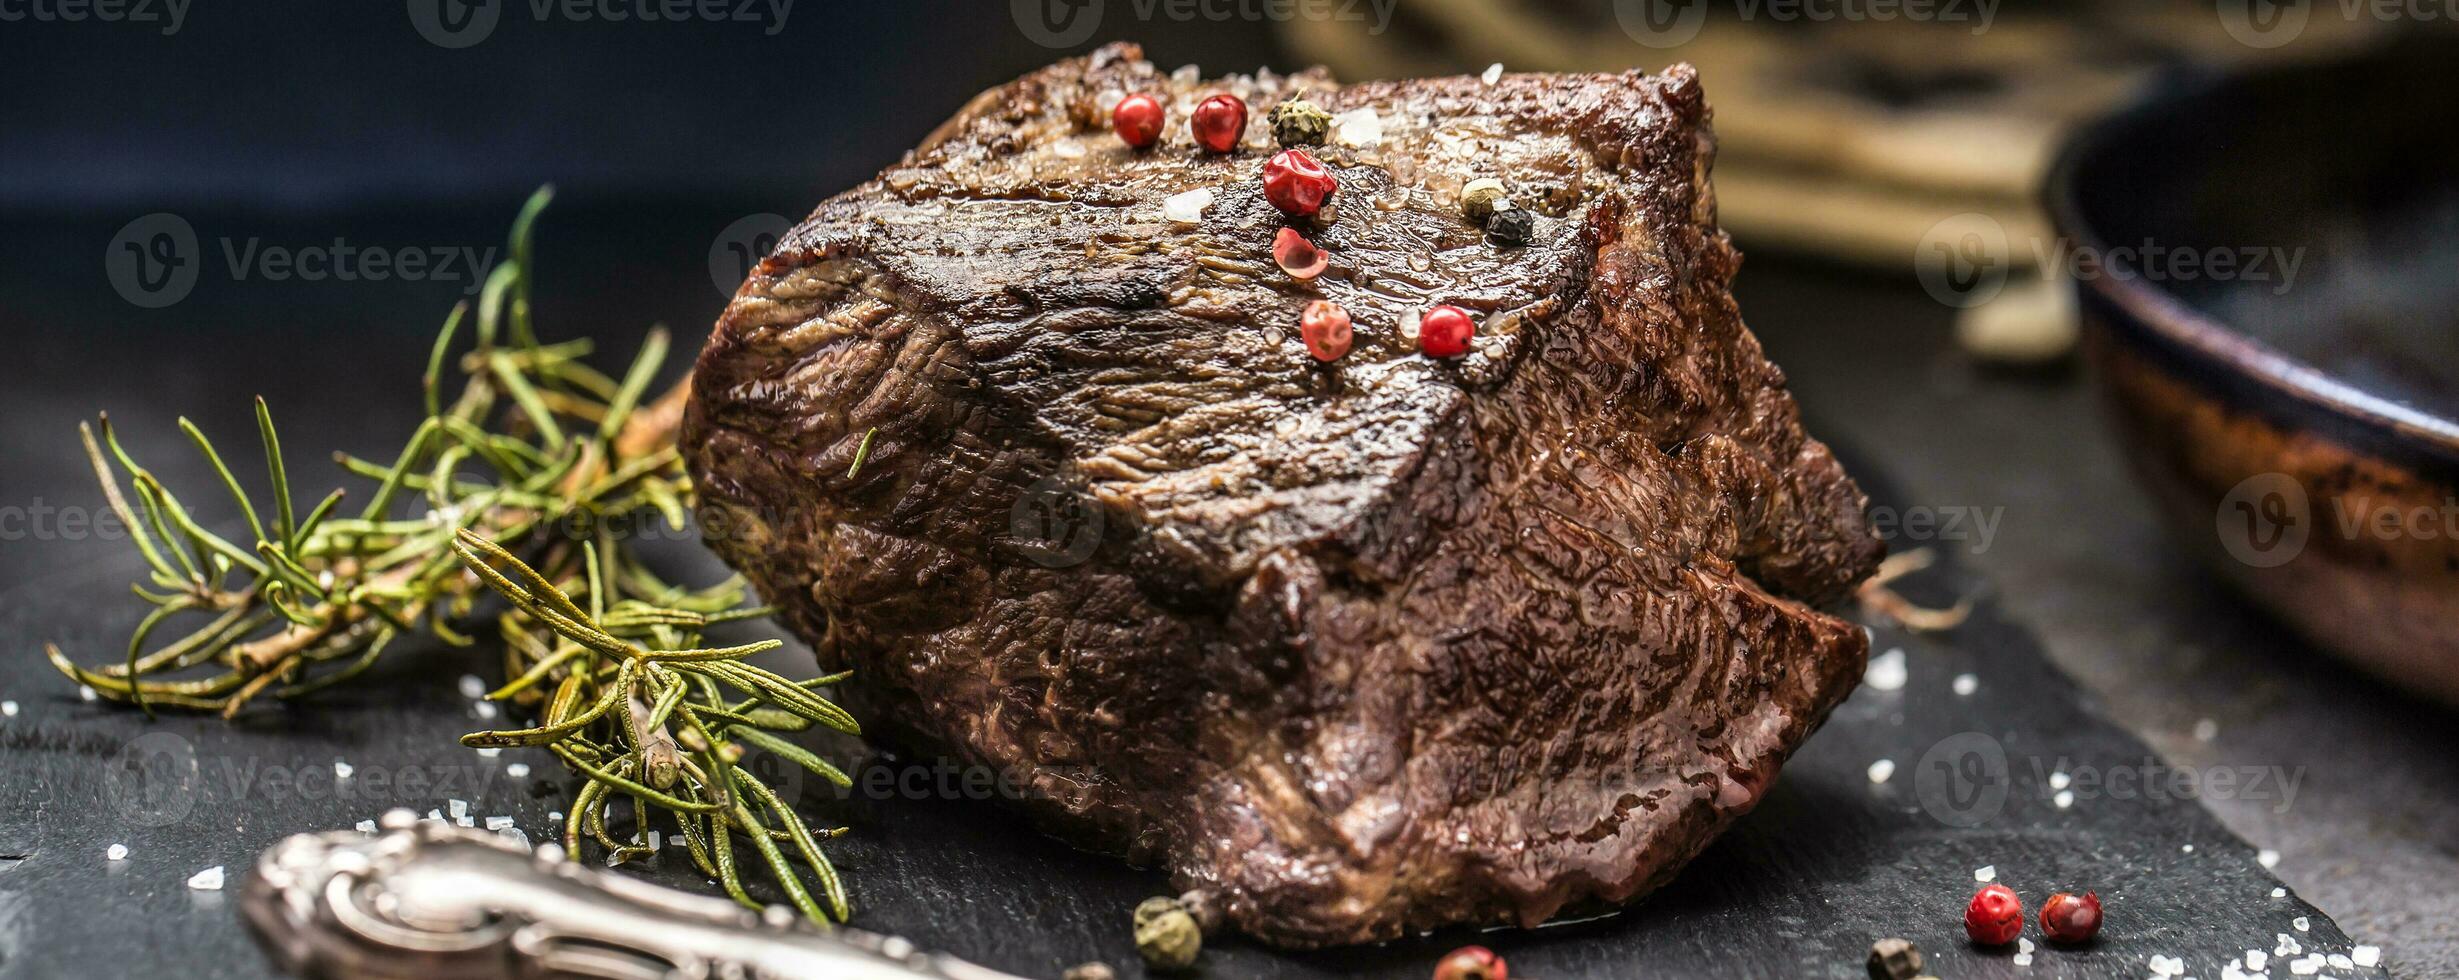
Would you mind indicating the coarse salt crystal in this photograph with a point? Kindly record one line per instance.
(459, 808)
(2188, 849)
(367, 826)
(489, 753)
(1494, 73)
(8, 708)
(85, 692)
(2279, 893)
(2023, 959)
(657, 841)
(2366, 956)
(117, 852)
(1358, 128)
(341, 770)
(2267, 858)
(464, 822)
(2301, 923)
(2023, 945)
(1880, 770)
(1965, 684)
(517, 770)
(484, 709)
(208, 880)
(515, 835)
(1886, 671)
(2064, 799)
(1187, 208)
(473, 688)
(433, 814)
(2168, 966)
(2340, 961)
(498, 823)
(2305, 966)
(2287, 946)
(2255, 959)
(555, 815)
(2060, 779)
(1986, 873)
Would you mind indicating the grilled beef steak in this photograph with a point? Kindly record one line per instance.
(1358, 648)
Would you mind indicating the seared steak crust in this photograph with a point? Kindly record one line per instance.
(1361, 649)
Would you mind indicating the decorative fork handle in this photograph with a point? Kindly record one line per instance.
(426, 899)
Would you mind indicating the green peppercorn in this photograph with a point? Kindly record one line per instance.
(1169, 939)
(1894, 959)
(1512, 226)
(1480, 198)
(1298, 122)
(1154, 908)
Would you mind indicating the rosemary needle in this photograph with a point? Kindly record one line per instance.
(527, 474)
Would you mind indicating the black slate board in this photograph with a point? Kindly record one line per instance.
(1828, 863)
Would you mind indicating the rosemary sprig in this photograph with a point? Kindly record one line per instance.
(640, 709)
(526, 474)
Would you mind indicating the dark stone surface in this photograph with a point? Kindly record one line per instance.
(1829, 863)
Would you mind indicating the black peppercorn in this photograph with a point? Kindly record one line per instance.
(1512, 226)
(1894, 959)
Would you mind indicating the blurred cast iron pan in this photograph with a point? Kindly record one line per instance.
(2291, 411)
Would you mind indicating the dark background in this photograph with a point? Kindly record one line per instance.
(297, 124)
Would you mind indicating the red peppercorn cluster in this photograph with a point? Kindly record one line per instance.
(1996, 917)
(1218, 123)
